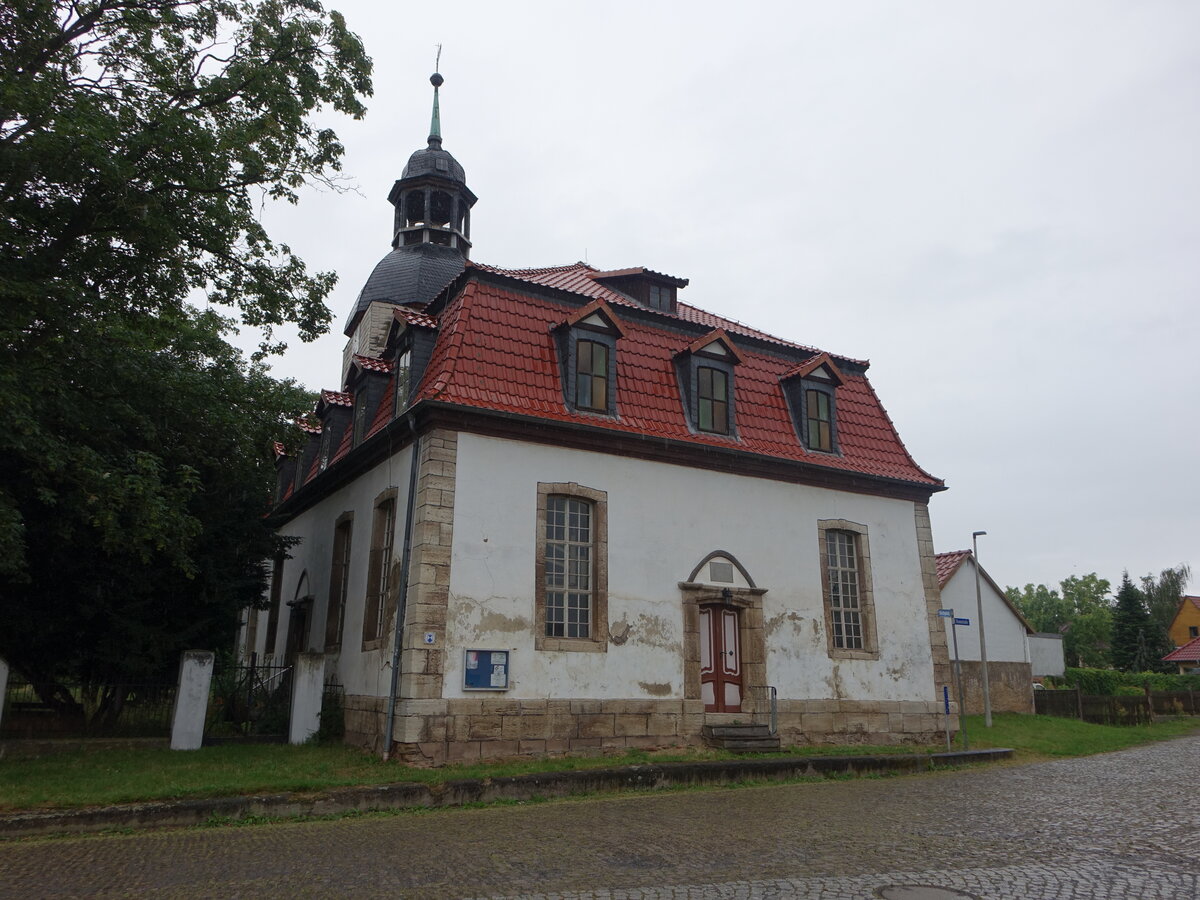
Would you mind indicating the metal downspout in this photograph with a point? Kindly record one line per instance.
(402, 594)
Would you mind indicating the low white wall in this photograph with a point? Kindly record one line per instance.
(308, 686)
(191, 700)
(1046, 654)
(662, 520)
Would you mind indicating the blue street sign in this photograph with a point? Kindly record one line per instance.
(945, 613)
(962, 621)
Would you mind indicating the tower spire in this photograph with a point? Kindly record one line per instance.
(435, 124)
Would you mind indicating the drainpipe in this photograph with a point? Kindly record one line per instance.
(402, 594)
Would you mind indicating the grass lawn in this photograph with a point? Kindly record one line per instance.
(124, 776)
(1048, 737)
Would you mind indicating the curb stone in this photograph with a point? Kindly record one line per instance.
(409, 795)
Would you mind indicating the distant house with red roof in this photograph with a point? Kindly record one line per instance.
(559, 509)
(1186, 657)
(1017, 655)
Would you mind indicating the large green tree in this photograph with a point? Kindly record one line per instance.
(138, 141)
(1082, 613)
(1132, 631)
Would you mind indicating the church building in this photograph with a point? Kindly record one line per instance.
(560, 510)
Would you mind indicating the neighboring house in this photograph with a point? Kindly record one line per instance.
(1185, 626)
(559, 509)
(1186, 657)
(1016, 653)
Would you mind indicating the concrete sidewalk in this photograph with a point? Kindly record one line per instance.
(536, 786)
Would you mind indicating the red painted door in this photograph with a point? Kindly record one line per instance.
(720, 659)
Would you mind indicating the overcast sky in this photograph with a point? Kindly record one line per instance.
(998, 205)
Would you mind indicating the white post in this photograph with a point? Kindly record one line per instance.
(191, 700)
(3, 687)
(308, 686)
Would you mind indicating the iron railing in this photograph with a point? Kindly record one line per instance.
(250, 702)
(761, 703)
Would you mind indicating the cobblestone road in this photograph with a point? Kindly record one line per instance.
(1113, 826)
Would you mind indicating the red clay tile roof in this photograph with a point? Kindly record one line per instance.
(495, 351)
(578, 278)
(1189, 652)
(948, 563)
(280, 450)
(308, 427)
(372, 364)
(414, 316)
(337, 398)
(640, 270)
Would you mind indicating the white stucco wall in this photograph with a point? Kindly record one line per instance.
(662, 520)
(360, 673)
(1003, 631)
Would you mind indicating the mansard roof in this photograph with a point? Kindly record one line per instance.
(495, 351)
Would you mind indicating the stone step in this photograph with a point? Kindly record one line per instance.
(755, 744)
(736, 731)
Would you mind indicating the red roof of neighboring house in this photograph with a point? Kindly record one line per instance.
(1189, 652)
(337, 398)
(495, 351)
(948, 563)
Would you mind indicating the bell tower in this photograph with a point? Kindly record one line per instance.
(431, 197)
(431, 240)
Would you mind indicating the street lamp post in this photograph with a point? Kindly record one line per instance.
(983, 660)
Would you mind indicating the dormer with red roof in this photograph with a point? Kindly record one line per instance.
(653, 290)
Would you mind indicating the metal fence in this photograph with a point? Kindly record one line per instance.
(251, 702)
(71, 710)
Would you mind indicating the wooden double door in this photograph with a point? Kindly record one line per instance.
(720, 658)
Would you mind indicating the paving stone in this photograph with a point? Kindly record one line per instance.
(1111, 827)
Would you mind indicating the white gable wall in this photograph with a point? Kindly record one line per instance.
(1004, 632)
(662, 521)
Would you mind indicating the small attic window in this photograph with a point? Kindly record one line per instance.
(811, 390)
(587, 346)
(661, 297)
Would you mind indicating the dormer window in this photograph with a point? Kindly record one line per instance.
(587, 345)
(653, 290)
(326, 449)
(706, 374)
(818, 409)
(360, 417)
(661, 297)
(591, 375)
(811, 391)
(712, 400)
(403, 375)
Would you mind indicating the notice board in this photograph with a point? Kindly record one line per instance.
(485, 670)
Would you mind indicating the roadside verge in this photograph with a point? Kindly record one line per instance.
(534, 786)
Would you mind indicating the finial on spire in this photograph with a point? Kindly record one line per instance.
(435, 125)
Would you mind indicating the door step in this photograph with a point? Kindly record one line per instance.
(743, 738)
